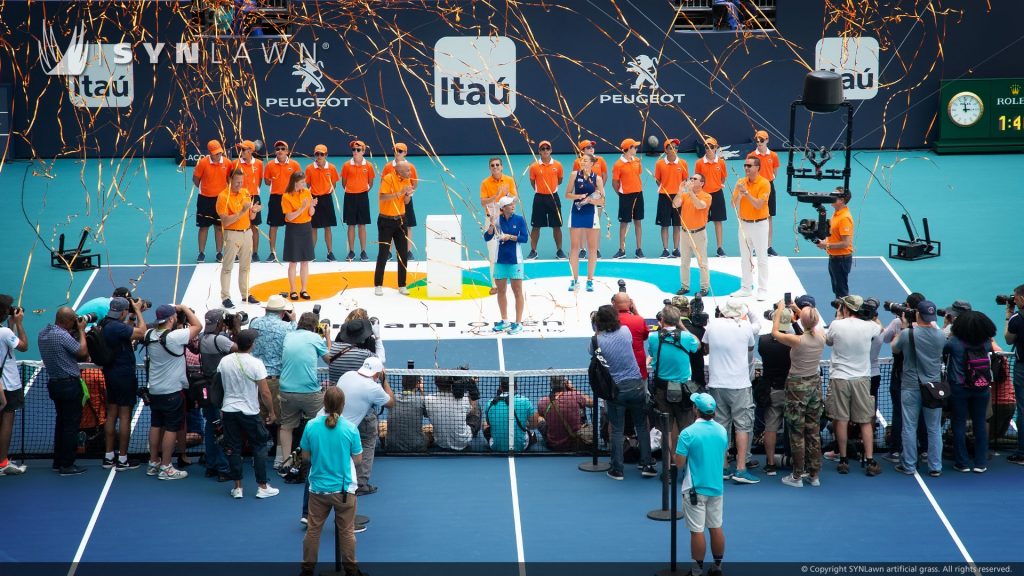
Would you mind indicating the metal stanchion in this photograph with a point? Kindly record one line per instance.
(663, 513)
(673, 565)
(594, 465)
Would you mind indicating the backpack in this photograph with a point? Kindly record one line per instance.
(100, 351)
(600, 377)
(978, 374)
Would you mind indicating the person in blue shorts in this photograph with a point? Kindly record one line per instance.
(700, 456)
(510, 229)
(586, 191)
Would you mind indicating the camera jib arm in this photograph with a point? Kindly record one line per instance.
(818, 158)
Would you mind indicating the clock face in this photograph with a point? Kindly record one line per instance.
(965, 109)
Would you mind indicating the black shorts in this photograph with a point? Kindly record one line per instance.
(275, 217)
(258, 219)
(166, 411)
(631, 207)
(121, 390)
(15, 399)
(717, 211)
(356, 209)
(410, 215)
(323, 216)
(667, 215)
(206, 212)
(771, 200)
(547, 211)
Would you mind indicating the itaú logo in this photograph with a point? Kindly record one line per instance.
(475, 77)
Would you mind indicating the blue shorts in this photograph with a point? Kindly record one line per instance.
(509, 271)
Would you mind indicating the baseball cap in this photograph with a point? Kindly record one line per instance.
(357, 143)
(277, 303)
(734, 308)
(627, 144)
(805, 301)
(246, 145)
(681, 302)
(212, 317)
(214, 147)
(672, 141)
(320, 148)
(401, 147)
(854, 302)
(710, 140)
(117, 305)
(280, 143)
(785, 320)
(505, 201)
(956, 308)
(245, 338)
(926, 310)
(761, 134)
(586, 144)
(543, 143)
(371, 366)
(165, 312)
(704, 402)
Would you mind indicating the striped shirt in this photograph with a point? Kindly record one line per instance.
(617, 349)
(351, 358)
(59, 349)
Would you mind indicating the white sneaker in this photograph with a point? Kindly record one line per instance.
(152, 468)
(170, 473)
(762, 295)
(13, 469)
(267, 492)
(236, 493)
(403, 290)
(742, 293)
(378, 290)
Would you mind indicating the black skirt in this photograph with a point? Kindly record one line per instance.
(324, 216)
(298, 242)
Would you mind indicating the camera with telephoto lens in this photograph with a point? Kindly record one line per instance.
(869, 309)
(697, 314)
(236, 319)
(89, 318)
(143, 303)
(769, 314)
(622, 285)
(900, 309)
(183, 319)
(1004, 299)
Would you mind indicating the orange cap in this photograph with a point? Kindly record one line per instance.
(214, 147)
(761, 134)
(586, 144)
(280, 143)
(401, 147)
(672, 141)
(320, 148)
(246, 145)
(358, 143)
(710, 140)
(544, 143)
(627, 144)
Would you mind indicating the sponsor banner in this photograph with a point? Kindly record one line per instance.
(855, 58)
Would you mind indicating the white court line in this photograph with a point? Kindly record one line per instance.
(99, 504)
(517, 519)
(501, 354)
(894, 274)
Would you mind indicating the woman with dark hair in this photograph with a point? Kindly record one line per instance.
(298, 206)
(616, 344)
(971, 330)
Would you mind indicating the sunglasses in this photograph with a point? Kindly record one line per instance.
(495, 165)
(672, 146)
(760, 140)
(545, 148)
(710, 146)
(694, 178)
(357, 149)
(319, 154)
(748, 166)
(281, 149)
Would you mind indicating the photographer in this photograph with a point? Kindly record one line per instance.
(405, 419)
(849, 397)
(12, 393)
(216, 342)
(166, 378)
(630, 318)
(669, 352)
(496, 425)
(365, 391)
(888, 336)
(272, 328)
(301, 393)
(695, 321)
(839, 244)
(121, 331)
(62, 346)
(563, 413)
(922, 362)
(775, 364)
(1012, 332)
(101, 306)
(448, 415)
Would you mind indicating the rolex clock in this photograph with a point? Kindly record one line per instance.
(981, 115)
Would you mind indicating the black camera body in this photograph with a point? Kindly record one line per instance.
(1004, 299)
(89, 318)
(236, 319)
(622, 285)
(815, 230)
(143, 394)
(697, 314)
(901, 309)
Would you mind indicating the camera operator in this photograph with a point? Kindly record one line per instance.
(888, 336)
(775, 364)
(101, 306)
(272, 328)
(120, 331)
(670, 349)
(301, 393)
(922, 362)
(366, 390)
(1015, 330)
(216, 342)
(839, 244)
(166, 378)
(630, 318)
(695, 320)
(949, 314)
(849, 398)
(62, 346)
(12, 394)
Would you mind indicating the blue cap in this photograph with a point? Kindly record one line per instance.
(805, 301)
(704, 402)
(164, 312)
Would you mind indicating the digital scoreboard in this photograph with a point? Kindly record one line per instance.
(981, 115)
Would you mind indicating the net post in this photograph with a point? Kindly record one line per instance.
(664, 513)
(511, 414)
(594, 465)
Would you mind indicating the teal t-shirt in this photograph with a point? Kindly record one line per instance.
(497, 417)
(332, 450)
(299, 356)
(704, 444)
(674, 365)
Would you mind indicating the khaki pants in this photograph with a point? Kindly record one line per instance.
(236, 243)
(320, 506)
(687, 249)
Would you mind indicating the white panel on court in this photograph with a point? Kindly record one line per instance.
(444, 255)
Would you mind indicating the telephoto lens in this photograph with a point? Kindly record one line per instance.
(1004, 299)
(89, 318)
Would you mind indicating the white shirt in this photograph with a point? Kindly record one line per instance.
(729, 342)
(8, 343)
(850, 339)
(361, 394)
(166, 371)
(239, 373)
(448, 415)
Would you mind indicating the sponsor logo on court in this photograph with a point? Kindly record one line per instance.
(645, 88)
(475, 77)
(855, 59)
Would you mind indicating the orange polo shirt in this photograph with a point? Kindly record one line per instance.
(279, 173)
(600, 167)
(291, 202)
(769, 163)
(392, 183)
(489, 187)
(357, 177)
(714, 174)
(841, 225)
(253, 174)
(628, 175)
(670, 175)
(213, 177)
(321, 181)
(389, 168)
(692, 217)
(545, 177)
(229, 204)
(760, 189)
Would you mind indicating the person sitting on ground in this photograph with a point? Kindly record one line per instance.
(448, 415)
(497, 420)
(563, 412)
(405, 418)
